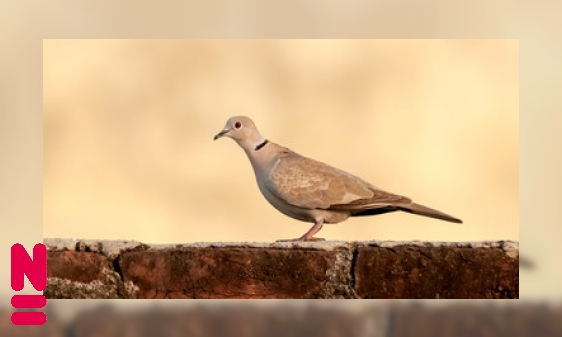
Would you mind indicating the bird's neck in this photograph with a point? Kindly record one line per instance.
(261, 154)
(261, 145)
(253, 145)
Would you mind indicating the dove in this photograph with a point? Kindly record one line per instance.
(312, 191)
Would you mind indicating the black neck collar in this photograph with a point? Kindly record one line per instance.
(262, 144)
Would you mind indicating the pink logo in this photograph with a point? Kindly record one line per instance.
(36, 270)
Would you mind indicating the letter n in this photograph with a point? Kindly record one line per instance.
(35, 268)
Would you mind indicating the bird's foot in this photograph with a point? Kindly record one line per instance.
(308, 236)
(302, 239)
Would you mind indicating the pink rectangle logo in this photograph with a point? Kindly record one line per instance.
(35, 268)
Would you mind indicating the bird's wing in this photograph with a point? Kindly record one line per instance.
(309, 184)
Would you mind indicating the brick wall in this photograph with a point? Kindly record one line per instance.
(125, 269)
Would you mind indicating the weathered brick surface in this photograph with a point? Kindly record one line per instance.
(228, 272)
(81, 267)
(110, 269)
(409, 271)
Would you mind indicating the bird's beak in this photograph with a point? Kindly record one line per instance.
(220, 134)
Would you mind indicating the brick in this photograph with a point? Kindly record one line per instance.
(411, 271)
(76, 266)
(228, 272)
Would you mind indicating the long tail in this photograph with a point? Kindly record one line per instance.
(429, 212)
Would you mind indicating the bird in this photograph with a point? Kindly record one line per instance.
(312, 191)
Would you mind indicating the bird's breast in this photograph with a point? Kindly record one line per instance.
(284, 207)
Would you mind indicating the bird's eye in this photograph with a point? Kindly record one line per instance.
(237, 125)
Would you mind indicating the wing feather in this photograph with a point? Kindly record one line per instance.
(306, 183)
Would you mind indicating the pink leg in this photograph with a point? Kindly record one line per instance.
(308, 236)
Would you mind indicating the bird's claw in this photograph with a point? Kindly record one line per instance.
(301, 239)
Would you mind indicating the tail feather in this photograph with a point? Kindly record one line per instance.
(429, 212)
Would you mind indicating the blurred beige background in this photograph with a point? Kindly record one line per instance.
(26, 23)
(128, 127)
